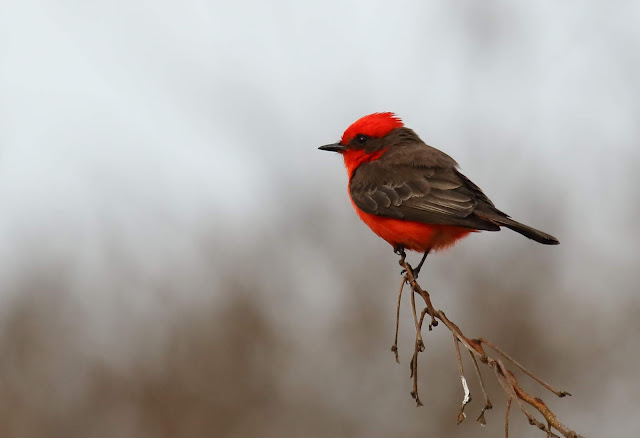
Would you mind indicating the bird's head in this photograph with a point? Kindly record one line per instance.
(365, 139)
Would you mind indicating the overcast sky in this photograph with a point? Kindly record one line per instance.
(155, 117)
(158, 118)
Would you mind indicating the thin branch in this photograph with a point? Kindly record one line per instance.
(522, 368)
(506, 378)
(506, 419)
(415, 317)
(487, 402)
(465, 387)
(394, 347)
(418, 348)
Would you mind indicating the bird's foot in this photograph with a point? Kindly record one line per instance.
(399, 250)
(413, 272)
(416, 270)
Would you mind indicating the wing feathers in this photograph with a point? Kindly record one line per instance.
(439, 195)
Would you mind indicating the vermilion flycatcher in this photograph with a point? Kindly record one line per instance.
(411, 194)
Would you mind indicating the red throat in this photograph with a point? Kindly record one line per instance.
(374, 125)
(355, 157)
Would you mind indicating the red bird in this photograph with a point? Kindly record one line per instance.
(411, 194)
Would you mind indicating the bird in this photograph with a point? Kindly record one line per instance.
(413, 195)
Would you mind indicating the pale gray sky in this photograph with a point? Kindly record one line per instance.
(164, 113)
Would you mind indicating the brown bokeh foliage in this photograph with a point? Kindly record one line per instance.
(294, 341)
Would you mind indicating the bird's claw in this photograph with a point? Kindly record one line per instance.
(413, 273)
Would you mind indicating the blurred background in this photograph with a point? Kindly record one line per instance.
(178, 259)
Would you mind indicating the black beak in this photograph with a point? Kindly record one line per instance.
(335, 147)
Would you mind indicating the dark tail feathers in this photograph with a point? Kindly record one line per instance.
(526, 231)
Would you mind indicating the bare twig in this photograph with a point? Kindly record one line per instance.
(487, 402)
(522, 368)
(506, 418)
(394, 347)
(418, 348)
(465, 387)
(506, 378)
(415, 318)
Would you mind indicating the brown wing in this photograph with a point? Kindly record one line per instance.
(423, 192)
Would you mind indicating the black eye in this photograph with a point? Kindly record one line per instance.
(361, 138)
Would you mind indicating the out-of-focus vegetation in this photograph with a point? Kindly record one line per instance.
(248, 351)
